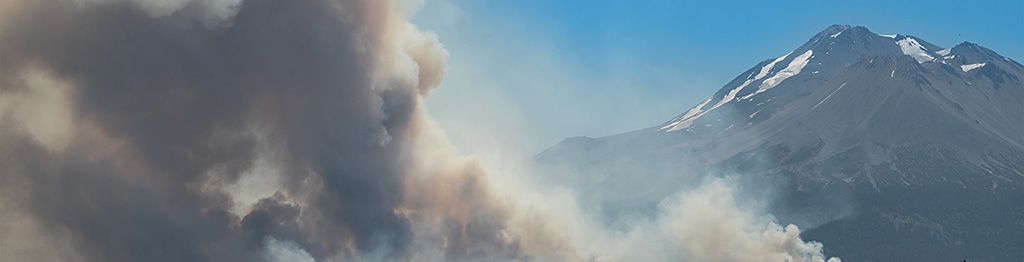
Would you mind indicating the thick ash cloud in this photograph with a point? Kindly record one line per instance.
(160, 100)
(261, 130)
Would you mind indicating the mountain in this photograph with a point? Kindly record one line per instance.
(886, 147)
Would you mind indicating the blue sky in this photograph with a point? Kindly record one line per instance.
(750, 30)
(536, 71)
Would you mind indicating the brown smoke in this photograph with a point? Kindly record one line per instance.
(257, 130)
(138, 130)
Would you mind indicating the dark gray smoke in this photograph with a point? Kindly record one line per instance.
(273, 130)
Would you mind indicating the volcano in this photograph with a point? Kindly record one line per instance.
(886, 147)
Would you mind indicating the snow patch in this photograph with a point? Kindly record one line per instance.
(893, 74)
(695, 111)
(769, 66)
(761, 74)
(911, 47)
(693, 114)
(755, 113)
(829, 95)
(793, 69)
(889, 36)
(968, 68)
(943, 52)
(728, 97)
(836, 34)
(686, 122)
(872, 179)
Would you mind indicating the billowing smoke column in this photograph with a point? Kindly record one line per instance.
(271, 130)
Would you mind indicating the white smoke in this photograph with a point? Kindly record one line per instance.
(285, 251)
(710, 225)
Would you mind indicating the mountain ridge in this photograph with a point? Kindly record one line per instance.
(850, 114)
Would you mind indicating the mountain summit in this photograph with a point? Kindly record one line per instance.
(887, 146)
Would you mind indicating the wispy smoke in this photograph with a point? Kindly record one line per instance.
(273, 130)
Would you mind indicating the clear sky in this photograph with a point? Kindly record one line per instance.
(538, 71)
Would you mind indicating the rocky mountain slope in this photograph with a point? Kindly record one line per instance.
(886, 146)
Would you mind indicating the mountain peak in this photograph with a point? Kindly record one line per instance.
(967, 44)
(975, 52)
(850, 114)
(772, 84)
(850, 41)
(847, 32)
(834, 29)
(837, 27)
(820, 58)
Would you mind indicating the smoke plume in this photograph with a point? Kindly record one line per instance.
(274, 130)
